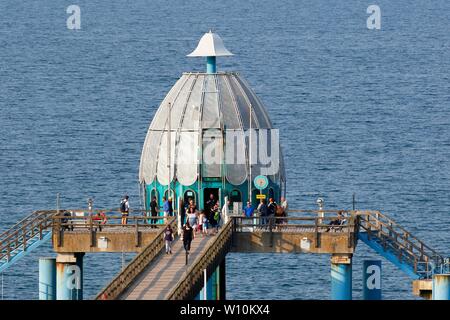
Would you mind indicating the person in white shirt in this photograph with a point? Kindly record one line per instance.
(225, 213)
(285, 206)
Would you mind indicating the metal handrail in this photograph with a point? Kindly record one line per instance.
(36, 215)
(17, 236)
(402, 242)
(120, 283)
(315, 222)
(391, 224)
(187, 286)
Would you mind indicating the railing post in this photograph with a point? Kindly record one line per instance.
(136, 233)
(91, 227)
(40, 231)
(24, 239)
(271, 230)
(415, 265)
(377, 216)
(316, 230)
(349, 233)
(421, 251)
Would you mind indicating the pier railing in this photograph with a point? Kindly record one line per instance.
(121, 282)
(84, 221)
(192, 280)
(18, 237)
(312, 221)
(395, 238)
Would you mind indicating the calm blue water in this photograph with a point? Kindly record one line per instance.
(359, 111)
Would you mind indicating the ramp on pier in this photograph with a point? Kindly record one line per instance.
(397, 245)
(25, 236)
(162, 274)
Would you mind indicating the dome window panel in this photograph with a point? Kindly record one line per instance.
(212, 153)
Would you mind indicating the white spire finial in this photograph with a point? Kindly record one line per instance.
(210, 45)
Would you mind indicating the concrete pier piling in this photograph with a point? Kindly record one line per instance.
(69, 276)
(372, 280)
(47, 279)
(441, 287)
(341, 277)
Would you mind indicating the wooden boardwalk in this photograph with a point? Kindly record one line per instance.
(158, 279)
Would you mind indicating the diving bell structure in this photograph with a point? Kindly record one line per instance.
(211, 135)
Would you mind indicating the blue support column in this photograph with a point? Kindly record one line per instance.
(441, 287)
(204, 293)
(372, 280)
(47, 279)
(221, 278)
(341, 278)
(215, 284)
(69, 276)
(210, 288)
(210, 64)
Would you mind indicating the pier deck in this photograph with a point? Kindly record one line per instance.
(161, 276)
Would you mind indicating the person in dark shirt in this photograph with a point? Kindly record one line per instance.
(188, 236)
(168, 237)
(210, 203)
(170, 208)
(211, 215)
(263, 211)
(272, 209)
(154, 211)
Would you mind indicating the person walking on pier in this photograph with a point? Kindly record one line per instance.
(190, 207)
(263, 211)
(249, 210)
(210, 203)
(166, 207)
(214, 217)
(99, 219)
(168, 237)
(204, 222)
(225, 212)
(125, 210)
(154, 212)
(272, 210)
(188, 236)
(170, 207)
(285, 206)
(192, 217)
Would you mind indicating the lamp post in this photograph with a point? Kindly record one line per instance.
(169, 141)
(90, 203)
(321, 214)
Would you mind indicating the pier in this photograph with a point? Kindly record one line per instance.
(154, 275)
(207, 151)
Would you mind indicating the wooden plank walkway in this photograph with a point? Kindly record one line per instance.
(158, 279)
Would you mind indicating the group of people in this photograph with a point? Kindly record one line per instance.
(203, 220)
(270, 211)
(207, 221)
(154, 209)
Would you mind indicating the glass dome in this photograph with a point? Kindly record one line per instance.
(204, 107)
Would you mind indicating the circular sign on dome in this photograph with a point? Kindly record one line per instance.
(261, 182)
